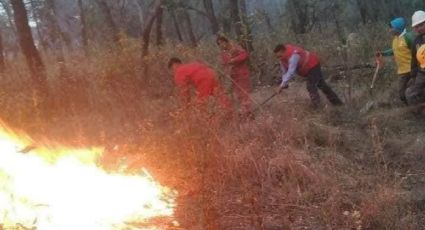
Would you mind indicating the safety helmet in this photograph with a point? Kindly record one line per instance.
(418, 17)
(398, 24)
(420, 56)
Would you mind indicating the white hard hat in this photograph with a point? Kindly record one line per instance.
(418, 17)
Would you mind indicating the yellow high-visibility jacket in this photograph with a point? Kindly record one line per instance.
(401, 49)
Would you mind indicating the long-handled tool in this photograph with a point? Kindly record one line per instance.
(265, 101)
(378, 67)
(371, 103)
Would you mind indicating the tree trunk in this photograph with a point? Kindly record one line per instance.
(224, 18)
(189, 27)
(6, 8)
(209, 9)
(339, 30)
(396, 9)
(55, 33)
(268, 22)
(362, 10)
(2, 61)
(36, 17)
(242, 29)
(159, 20)
(146, 38)
(54, 21)
(84, 37)
(227, 25)
(110, 21)
(236, 19)
(300, 17)
(26, 42)
(140, 6)
(265, 16)
(379, 9)
(247, 34)
(146, 34)
(176, 24)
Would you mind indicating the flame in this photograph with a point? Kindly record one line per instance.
(64, 189)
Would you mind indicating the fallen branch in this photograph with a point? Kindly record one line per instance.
(347, 68)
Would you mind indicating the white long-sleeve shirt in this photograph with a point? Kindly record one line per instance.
(288, 74)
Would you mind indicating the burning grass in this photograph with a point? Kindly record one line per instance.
(65, 189)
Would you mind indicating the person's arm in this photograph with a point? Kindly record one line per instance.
(290, 73)
(240, 57)
(387, 52)
(225, 58)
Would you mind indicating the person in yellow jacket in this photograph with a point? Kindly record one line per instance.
(401, 50)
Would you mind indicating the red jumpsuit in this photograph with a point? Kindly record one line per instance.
(203, 79)
(236, 63)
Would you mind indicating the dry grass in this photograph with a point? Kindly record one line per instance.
(290, 168)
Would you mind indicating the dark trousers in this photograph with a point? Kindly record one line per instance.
(316, 81)
(403, 83)
(415, 94)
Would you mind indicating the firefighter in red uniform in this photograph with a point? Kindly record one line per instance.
(235, 62)
(200, 76)
(293, 60)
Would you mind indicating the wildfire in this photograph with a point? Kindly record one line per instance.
(69, 191)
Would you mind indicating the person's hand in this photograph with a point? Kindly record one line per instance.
(282, 87)
(379, 59)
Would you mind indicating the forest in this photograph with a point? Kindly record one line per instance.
(99, 81)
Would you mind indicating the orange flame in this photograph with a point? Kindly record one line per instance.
(69, 191)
